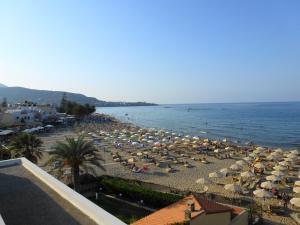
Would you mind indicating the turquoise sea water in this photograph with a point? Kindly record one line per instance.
(268, 124)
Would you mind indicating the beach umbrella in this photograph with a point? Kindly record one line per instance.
(224, 171)
(275, 154)
(273, 178)
(240, 163)
(235, 167)
(271, 157)
(259, 165)
(284, 163)
(139, 154)
(295, 202)
(296, 190)
(294, 152)
(247, 159)
(217, 150)
(297, 183)
(247, 174)
(215, 175)
(279, 168)
(268, 185)
(278, 150)
(288, 159)
(203, 181)
(277, 173)
(292, 156)
(262, 193)
(253, 155)
(233, 187)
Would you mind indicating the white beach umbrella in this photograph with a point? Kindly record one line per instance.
(271, 157)
(247, 174)
(233, 187)
(203, 181)
(253, 155)
(297, 183)
(247, 159)
(224, 171)
(215, 175)
(288, 159)
(259, 165)
(278, 150)
(217, 150)
(295, 202)
(284, 163)
(294, 152)
(241, 163)
(268, 185)
(235, 167)
(262, 193)
(277, 173)
(296, 189)
(273, 178)
(292, 156)
(280, 168)
(275, 154)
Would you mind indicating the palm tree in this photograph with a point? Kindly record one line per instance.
(76, 153)
(26, 145)
(4, 152)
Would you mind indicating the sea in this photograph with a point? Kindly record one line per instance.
(267, 124)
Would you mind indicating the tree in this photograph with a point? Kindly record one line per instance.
(76, 153)
(26, 145)
(4, 152)
(63, 103)
(4, 103)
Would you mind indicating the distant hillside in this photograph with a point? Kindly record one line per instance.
(2, 86)
(20, 94)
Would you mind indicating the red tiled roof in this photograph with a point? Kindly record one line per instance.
(213, 207)
(175, 213)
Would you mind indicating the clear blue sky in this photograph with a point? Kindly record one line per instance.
(163, 51)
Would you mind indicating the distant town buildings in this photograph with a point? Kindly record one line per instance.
(26, 114)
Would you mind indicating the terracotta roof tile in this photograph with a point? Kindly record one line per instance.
(175, 213)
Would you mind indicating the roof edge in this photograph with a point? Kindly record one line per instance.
(96, 213)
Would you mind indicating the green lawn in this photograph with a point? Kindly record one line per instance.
(127, 213)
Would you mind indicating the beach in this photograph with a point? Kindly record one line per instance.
(157, 157)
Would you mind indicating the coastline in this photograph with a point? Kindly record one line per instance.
(188, 163)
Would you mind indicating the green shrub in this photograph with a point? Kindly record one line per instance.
(136, 192)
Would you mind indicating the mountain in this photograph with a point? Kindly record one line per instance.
(20, 94)
(2, 86)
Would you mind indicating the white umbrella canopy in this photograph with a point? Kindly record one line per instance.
(241, 163)
(273, 178)
(215, 175)
(284, 163)
(203, 181)
(278, 150)
(288, 159)
(294, 152)
(296, 189)
(292, 156)
(253, 155)
(279, 168)
(233, 187)
(235, 167)
(247, 159)
(268, 185)
(259, 165)
(277, 173)
(271, 157)
(297, 183)
(262, 193)
(224, 171)
(247, 174)
(295, 202)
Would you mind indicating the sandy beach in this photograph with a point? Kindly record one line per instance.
(179, 167)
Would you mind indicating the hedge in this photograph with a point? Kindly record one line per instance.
(136, 192)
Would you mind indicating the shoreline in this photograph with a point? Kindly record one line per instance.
(188, 164)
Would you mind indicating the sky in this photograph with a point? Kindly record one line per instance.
(162, 51)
